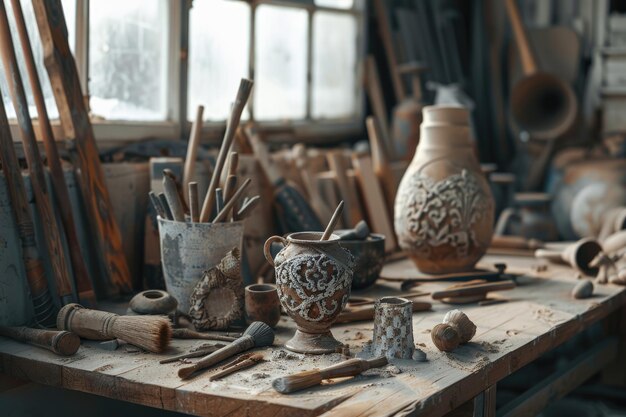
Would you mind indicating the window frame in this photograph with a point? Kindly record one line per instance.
(177, 127)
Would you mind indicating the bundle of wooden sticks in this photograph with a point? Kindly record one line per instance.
(222, 200)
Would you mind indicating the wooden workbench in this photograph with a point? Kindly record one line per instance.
(540, 315)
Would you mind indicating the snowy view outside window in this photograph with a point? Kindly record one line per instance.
(129, 57)
(128, 47)
(219, 51)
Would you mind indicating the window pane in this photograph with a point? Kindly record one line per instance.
(128, 45)
(334, 65)
(35, 42)
(339, 4)
(219, 50)
(281, 63)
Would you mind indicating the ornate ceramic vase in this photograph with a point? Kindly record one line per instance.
(313, 279)
(444, 209)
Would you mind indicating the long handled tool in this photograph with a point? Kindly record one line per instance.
(83, 282)
(45, 311)
(61, 270)
(192, 151)
(308, 379)
(75, 120)
(231, 128)
(60, 342)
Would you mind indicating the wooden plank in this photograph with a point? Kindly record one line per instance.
(377, 99)
(379, 218)
(52, 235)
(380, 162)
(563, 381)
(76, 124)
(384, 28)
(352, 211)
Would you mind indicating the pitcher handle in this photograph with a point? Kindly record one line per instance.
(268, 245)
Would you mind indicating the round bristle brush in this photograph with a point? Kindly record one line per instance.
(152, 333)
(307, 379)
(258, 334)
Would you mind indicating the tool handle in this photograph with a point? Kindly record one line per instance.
(240, 345)
(550, 254)
(351, 367)
(173, 199)
(194, 205)
(86, 323)
(515, 242)
(527, 57)
(231, 127)
(247, 363)
(231, 203)
(192, 150)
(473, 290)
(333, 221)
(191, 334)
(59, 342)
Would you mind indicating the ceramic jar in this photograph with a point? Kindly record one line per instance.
(444, 209)
(313, 279)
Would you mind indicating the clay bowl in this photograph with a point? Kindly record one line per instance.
(369, 257)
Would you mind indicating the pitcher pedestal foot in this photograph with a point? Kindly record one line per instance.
(313, 343)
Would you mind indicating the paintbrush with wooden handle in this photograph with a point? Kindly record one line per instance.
(60, 342)
(308, 379)
(258, 334)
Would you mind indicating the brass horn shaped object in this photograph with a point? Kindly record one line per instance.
(541, 103)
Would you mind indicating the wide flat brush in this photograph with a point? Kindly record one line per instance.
(307, 379)
(258, 334)
(152, 333)
(60, 342)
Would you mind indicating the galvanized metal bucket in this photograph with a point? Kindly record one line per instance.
(189, 249)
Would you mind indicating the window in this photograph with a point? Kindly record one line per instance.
(148, 64)
(127, 59)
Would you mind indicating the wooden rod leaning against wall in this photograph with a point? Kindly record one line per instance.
(61, 271)
(81, 275)
(45, 311)
(76, 124)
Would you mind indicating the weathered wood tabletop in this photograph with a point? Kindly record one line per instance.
(540, 315)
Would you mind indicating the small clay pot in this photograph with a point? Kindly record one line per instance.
(262, 304)
(369, 257)
(153, 302)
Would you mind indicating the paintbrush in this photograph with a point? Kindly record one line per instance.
(333, 221)
(152, 333)
(258, 334)
(192, 334)
(59, 342)
(245, 87)
(307, 379)
(242, 362)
